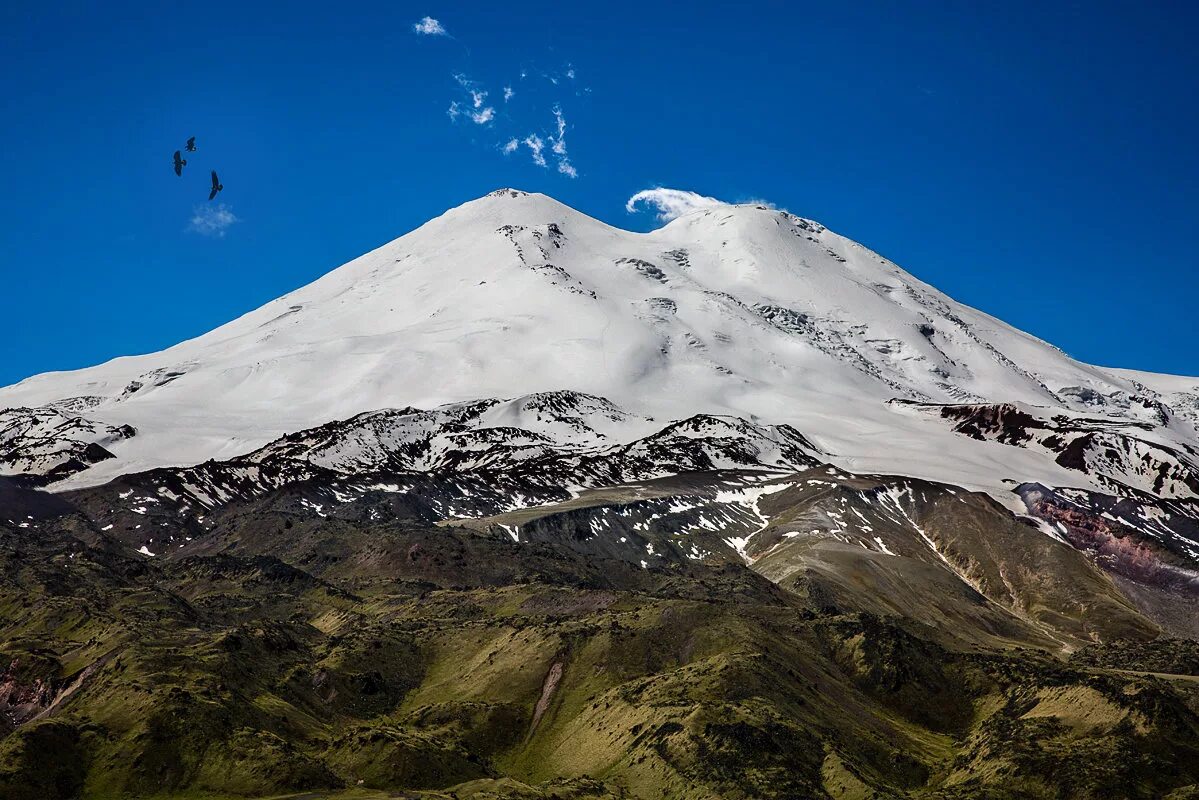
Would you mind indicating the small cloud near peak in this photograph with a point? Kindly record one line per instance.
(430, 27)
(536, 145)
(558, 145)
(212, 220)
(671, 203)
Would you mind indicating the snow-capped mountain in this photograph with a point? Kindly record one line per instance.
(737, 312)
(741, 387)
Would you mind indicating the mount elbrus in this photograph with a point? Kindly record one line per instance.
(530, 504)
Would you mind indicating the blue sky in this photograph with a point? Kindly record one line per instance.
(1037, 163)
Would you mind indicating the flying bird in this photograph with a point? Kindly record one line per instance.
(179, 162)
(191, 145)
(216, 185)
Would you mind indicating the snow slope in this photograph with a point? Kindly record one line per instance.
(737, 310)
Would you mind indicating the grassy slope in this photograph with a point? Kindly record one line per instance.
(398, 657)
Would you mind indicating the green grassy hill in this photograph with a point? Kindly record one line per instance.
(320, 657)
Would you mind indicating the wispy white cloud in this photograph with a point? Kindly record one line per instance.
(481, 114)
(560, 139)
(536, 145)
(212, 220)
(671, 203)
(545, 145)
(430, 27)
(558, 145)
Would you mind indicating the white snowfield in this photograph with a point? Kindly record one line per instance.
(737, 310)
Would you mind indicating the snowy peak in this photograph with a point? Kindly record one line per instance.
(741, 312)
